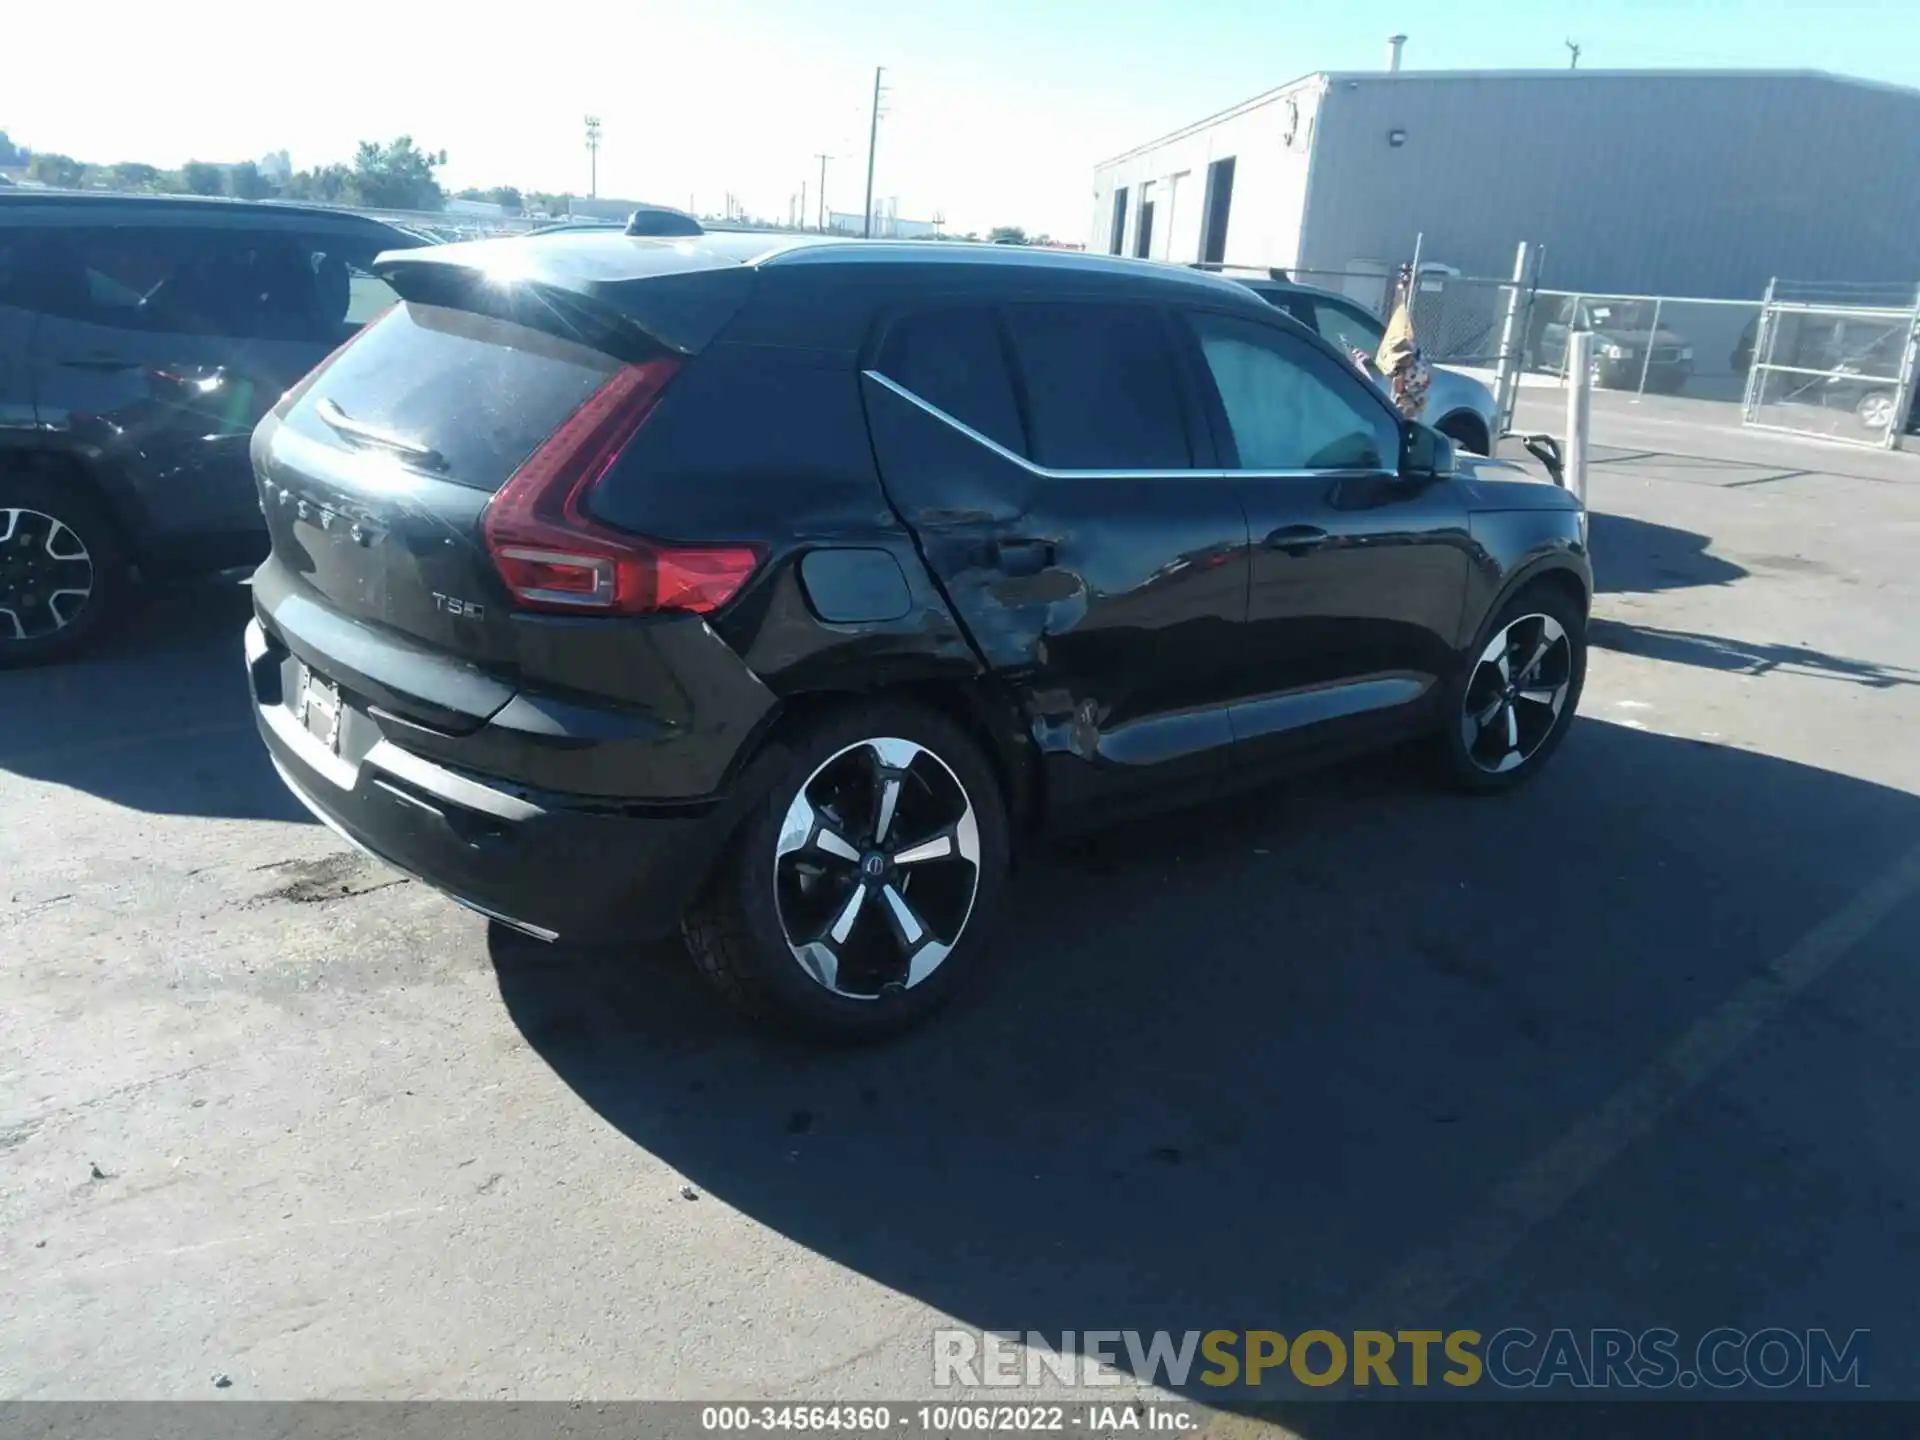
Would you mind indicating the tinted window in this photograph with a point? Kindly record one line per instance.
(1284, 405)
(234, 283)
(954, 359)
(1101, 393)
(346, 292)
(1351, 329)
(482, 392)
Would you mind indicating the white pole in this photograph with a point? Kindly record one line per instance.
(1579, 409)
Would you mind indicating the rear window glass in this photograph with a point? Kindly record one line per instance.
(481, 391)
(1101, 393)
(954, 359)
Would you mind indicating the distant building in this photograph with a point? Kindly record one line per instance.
(487, 209)
(603, 208)
(887, 223)
(1639, 182)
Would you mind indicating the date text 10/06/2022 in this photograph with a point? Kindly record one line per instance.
(945, 1419)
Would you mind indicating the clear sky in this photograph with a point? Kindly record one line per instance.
(996, 109)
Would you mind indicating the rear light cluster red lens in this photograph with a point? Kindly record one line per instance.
(555, 556)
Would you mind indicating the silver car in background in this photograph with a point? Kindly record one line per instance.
(1458, 406)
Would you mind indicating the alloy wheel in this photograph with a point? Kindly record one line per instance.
(876, 868)
(1876, 410)
(1515, 694)
(46, 575)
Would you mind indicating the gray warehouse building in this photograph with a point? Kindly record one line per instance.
(1702, 183)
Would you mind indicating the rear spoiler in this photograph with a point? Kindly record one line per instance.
(631, 298)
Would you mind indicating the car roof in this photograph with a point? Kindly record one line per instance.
(35, 205)
(606, 253)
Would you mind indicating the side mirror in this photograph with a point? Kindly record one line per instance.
(1424, 452)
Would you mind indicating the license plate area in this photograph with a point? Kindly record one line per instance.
(315, 703)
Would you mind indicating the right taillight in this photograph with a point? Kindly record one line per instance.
(554, 556)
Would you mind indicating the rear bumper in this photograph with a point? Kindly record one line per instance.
(554, 866)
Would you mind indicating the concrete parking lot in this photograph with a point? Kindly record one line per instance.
(1634, 1047)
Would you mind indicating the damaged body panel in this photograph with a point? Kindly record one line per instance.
(1111, 603)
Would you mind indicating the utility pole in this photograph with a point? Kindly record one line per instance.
(593, 156)
(1574, 51)
(873, 142)
(823, 189)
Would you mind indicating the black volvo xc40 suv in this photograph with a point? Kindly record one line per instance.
(779, 590)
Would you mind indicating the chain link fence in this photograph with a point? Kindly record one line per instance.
(1836, 362)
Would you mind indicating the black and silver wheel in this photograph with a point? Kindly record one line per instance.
(1519, 693)
(856, 896)
(58, 567)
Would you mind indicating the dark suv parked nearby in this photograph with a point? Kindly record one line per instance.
(783, 587)
(141, 339)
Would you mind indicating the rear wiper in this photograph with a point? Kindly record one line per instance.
(414, 453)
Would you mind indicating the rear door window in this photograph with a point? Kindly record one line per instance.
(1101, 388)
(954, 359)
(1287, 407)
(483, 392)
(234, 284)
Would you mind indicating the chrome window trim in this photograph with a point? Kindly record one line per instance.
(1047, 473)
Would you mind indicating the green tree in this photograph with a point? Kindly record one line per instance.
(398, 175)
(245, 182)
(1007, 235)
(331, 184)
(10, 153)
(62, 171)
(547, 202)
(131, 175)
(197, 177)
(508, 198)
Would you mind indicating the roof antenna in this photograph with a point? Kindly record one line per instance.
(1573, 64)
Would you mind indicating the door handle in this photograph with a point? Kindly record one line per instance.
(1297, 539)
(100, 362)
(1022, 557)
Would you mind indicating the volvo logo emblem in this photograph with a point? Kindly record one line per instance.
(875, 866)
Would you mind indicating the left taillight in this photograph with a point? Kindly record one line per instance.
(554, 556)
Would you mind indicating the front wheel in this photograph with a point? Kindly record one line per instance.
(858, 895)
(59, 569)
(1511, 709)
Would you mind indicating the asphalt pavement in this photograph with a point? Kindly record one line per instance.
(1633, 1047)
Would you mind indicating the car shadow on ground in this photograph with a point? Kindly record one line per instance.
(1639, 557)
(1232, 1070)
(1743, 657)
(156, 717)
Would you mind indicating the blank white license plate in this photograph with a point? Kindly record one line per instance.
(316, 704)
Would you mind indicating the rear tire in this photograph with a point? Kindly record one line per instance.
(1511, 708)
(61, 573)
(832, 912)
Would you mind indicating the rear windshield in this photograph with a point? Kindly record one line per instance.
(481, 391)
